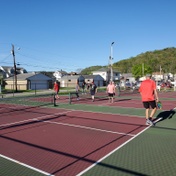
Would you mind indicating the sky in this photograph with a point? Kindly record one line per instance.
(69, 35)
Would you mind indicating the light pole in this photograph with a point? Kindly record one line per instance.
(111, 58)
(15, 72)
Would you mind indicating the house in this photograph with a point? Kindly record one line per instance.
(29, 81)
(128, 77)
(59, 74)
(98, 80)
(9, 71)
(70, 81)
(105, 73)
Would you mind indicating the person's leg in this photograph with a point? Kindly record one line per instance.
(147, 108)
(56, 95)
(112, 98)
(77, 95)
(154, 109)
(109, 98)
(147, 113)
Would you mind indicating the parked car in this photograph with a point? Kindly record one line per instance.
(166, 85)
(128, 85)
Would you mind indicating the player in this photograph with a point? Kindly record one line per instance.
(93, 90)
(56, 89)
(149, 98)
(77, 88)
(111, 91)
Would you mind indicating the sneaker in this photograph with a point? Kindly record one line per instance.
(149, 122)
(151, 119)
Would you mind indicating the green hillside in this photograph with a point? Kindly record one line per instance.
(166, 58)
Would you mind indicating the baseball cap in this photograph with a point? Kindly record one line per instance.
(148, 75)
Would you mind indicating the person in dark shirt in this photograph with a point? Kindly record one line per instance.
(93, 90)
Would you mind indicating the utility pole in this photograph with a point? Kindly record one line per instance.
(111, 58)
(142, 69)
(15, 70)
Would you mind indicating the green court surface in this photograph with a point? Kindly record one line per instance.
(11, 168)
(151, 153)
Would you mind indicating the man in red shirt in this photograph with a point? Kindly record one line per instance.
(149, 98)
(56, 89)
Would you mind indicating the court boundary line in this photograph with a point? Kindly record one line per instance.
(101, 159)
(25, 165)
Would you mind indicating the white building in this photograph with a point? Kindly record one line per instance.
(59, 74)
(106, 74)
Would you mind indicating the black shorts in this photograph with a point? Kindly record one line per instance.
(148, 104)
(110, 94)
(92, 92)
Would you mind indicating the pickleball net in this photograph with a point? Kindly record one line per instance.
(20, 111)
(28, 100)
(100, 95)
(74, 96)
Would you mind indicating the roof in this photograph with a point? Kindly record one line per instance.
(89, 76)
(26, 76)
(71, 77)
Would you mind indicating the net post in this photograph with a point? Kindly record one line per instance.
(69, 98)
(54, 98)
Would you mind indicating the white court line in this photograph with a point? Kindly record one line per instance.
(25, 165)
(90, 167)
(89, 128)
(34, 119)
(78, 126)
(20, 163)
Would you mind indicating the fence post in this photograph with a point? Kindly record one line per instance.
(35, 89)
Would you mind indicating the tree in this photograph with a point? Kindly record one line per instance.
(141, 70)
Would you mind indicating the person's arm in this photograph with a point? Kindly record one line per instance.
(114, 89)
(96, 89)
(155, 92)
(156, 95)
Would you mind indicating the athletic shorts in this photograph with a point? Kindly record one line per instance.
(110, 94)
(148, 104)
(92, 92)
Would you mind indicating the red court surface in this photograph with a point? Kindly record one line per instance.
(67, 141)
(126, 102)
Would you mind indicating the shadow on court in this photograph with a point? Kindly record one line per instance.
(164, 115)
